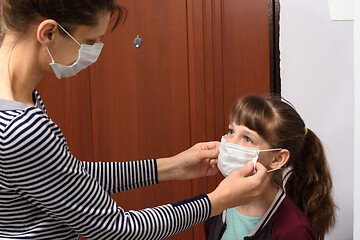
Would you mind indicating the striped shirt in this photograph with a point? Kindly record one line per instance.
(46, 193)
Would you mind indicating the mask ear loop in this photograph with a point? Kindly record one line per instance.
(68, 34)
(61, 27)
(272, 170)
(268, 150)
(52, 59)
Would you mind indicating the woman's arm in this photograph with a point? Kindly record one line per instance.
(198, 161)
(40, 169)
(121, 176)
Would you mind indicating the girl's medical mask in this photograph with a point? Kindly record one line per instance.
(88, 54)
(233, 157)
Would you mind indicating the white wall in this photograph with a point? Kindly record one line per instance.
(357, 120)
(317, 76)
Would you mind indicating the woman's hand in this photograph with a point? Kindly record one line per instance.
(198, 161)
(239, 188)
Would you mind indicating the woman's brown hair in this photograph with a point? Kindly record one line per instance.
(309, 183)
(17, 15)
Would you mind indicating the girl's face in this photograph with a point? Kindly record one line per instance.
(243, 136)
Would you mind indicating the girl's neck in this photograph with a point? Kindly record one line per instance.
(19, 73)
(260, 205)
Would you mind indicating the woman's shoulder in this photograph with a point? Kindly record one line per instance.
(11, 119)
(28, 136)
(14, 113)
(291, 222)
(19, 124)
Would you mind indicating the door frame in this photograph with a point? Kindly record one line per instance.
(274, 30)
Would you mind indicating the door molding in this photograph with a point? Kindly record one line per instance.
(274, 29)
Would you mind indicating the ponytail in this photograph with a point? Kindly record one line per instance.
(309, 185)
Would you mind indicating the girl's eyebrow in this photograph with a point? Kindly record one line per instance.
(251, 133)
(247, 131)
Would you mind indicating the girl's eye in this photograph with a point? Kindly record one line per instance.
(231, 132)
(247, 139)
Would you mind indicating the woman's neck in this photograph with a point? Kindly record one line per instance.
(19, 72)
(260, 205)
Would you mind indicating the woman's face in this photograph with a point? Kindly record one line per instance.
(65, 50)
(243, 136)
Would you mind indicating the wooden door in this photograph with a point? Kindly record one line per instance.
(176, 89)
(140, 97)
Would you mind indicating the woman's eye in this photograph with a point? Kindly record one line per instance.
(247, 139)
(91, 42)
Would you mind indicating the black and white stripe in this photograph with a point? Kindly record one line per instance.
(45, 193)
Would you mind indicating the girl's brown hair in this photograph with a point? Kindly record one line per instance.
(17, 15)
(309, 183)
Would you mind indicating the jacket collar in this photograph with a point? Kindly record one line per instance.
(279, 197)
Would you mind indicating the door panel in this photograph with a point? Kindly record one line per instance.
(140, 97)
(246, 49)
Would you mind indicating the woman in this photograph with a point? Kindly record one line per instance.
(45, 193)
(269, 130)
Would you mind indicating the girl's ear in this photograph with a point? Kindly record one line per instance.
(280, 159)
(46, 32)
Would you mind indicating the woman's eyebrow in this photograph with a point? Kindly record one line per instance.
(94, 39)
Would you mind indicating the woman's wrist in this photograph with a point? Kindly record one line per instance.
(165, 168)
(217, 203)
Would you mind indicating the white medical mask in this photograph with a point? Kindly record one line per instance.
(88, 54)
(233, 157)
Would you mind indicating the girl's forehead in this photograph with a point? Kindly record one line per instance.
(243, 128)
(240, 126)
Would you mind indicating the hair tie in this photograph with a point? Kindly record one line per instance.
(306, 130)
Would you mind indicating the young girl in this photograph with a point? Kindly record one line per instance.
(270, 131)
